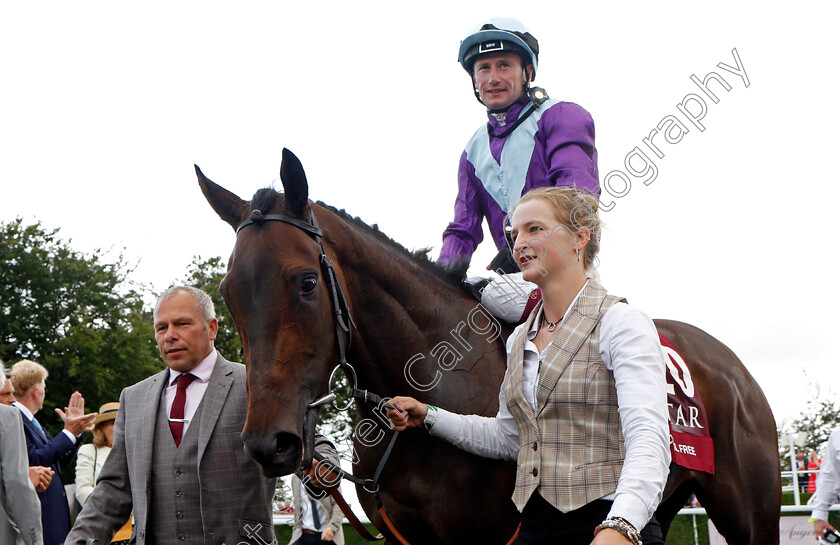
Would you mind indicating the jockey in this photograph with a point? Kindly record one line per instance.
(529, 141)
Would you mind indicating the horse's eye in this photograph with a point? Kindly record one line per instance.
(308, 285)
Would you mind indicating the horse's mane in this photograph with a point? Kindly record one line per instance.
(267, 197)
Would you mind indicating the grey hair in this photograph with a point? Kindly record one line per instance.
(202, 300)
(2, 375)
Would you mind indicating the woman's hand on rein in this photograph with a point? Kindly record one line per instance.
(409, 414)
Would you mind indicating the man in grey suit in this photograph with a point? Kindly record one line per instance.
(19, 504)
(177, 458)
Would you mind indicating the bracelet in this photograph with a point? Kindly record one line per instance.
(429, 420)
(622, 527)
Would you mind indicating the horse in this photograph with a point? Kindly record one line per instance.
(408, 327)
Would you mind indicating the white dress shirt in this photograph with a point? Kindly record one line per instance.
(629, 347)
(306, 519)
(828, 479)
(195, 391)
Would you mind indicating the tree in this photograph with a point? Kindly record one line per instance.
(818, 420)
(76, 314)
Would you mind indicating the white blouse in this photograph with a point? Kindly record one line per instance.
(89, 461)
(629, 346)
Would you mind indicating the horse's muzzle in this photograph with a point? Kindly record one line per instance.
(278, 453)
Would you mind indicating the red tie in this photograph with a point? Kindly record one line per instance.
(177, 412)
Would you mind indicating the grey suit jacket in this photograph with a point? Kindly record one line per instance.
(235, 498)
(19, 503)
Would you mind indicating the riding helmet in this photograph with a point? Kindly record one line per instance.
(499, 34)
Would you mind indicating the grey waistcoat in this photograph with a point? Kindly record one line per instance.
(175, 505)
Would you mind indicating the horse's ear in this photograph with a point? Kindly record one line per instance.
(228, 206)
(295, 188)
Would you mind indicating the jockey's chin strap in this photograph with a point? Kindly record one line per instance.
(537, 96)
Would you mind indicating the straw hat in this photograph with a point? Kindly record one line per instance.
(106, 412)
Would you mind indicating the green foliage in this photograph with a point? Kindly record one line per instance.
(75, 314)
(818, 420)
(682, 530)
(788, 497)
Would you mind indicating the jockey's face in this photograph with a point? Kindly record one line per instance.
(499, 79)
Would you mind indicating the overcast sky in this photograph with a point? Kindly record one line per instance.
(106, 106)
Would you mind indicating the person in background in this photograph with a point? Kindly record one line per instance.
(92, 457)
(7, 392)
(318, 519)
(39, 475)
(827, 487)
(813, 467)
(530, 140)
(29, 379)
(801, 476)
(20, 510)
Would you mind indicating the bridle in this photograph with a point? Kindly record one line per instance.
(341, 317)
(341, 312)
(343, 331)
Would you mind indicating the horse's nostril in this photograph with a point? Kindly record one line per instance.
(287, 444)
(279, 453)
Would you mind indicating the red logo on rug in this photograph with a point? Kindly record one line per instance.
(691, 445)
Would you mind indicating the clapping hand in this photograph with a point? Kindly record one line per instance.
(74, 417)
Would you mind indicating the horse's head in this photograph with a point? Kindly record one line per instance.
(276, 291)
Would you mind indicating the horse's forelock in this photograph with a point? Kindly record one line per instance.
(266, 199)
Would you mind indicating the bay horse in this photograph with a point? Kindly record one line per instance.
(418, 332)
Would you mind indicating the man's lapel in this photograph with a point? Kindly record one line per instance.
(147, 427)
(217, 391)
(32, 430)
(516, 365)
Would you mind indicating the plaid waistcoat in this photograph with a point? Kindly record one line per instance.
(572, 450)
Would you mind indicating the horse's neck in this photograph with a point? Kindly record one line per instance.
(414, 329)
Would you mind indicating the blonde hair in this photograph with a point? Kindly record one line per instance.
(99, 440)
(575, 209)
(25, 375)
